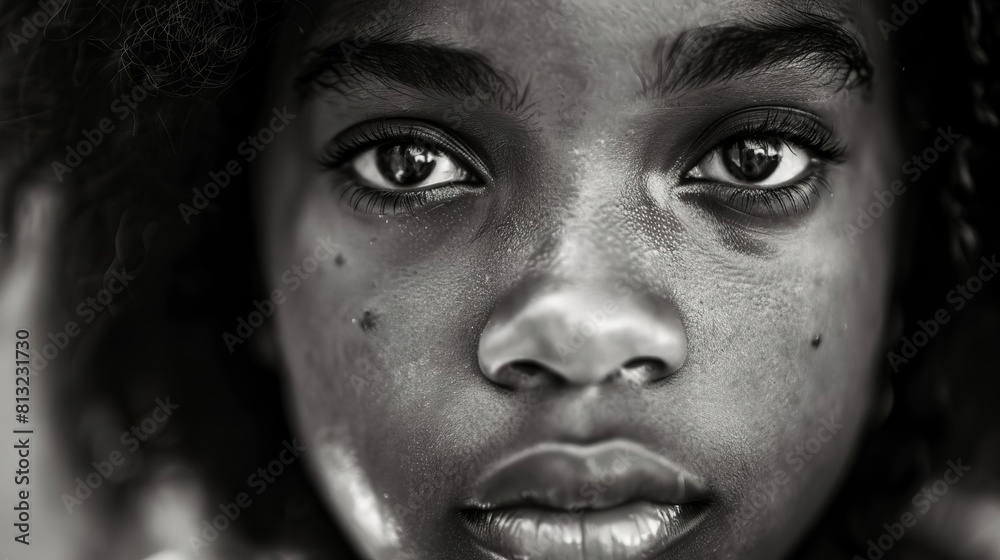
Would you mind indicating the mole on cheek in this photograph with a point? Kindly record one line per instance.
(339, 260)
(368, 321)
(817, 340)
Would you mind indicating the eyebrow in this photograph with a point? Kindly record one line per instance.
(346, 69)
(718, 53)
(696, 58)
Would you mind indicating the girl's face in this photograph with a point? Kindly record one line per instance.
(581, 279)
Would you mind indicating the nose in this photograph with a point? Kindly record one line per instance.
(576, 335)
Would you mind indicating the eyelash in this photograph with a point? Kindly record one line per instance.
(786, 199)
(356, 140)
(790, 127)
(397, 202)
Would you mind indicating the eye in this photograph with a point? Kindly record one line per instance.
(410, 166)
(399, 166)
(765, 162)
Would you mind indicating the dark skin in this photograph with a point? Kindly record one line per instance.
(578, 173)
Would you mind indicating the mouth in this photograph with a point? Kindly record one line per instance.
(614, 500)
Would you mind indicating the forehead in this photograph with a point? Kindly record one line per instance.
(579, 40)
(596, 50)
(470, 22)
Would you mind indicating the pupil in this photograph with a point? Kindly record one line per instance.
(753, 159)
(406, 164)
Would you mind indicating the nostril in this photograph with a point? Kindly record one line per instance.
(645, 370)
(529, 374)
(525, 374)
(553, 335)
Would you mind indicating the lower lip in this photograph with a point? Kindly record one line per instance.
(632, 531)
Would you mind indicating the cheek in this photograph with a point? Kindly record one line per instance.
(779, 414)
(792, 352)
(375, 343)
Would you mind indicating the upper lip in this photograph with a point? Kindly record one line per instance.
(599, 476)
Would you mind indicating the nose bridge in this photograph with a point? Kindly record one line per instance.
(580, 333)
(574, 317)
(588, 244)
(588, 226)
